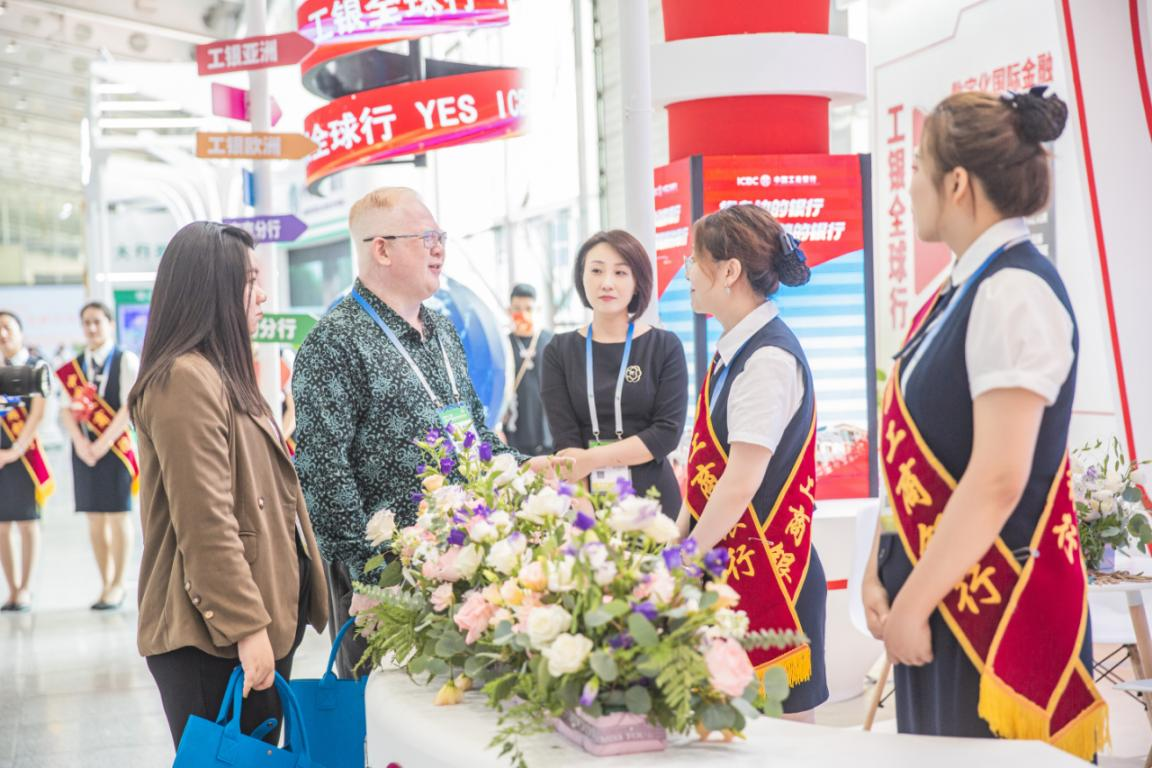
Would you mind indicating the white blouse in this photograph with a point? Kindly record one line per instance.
(768, 392)
(1019, 334)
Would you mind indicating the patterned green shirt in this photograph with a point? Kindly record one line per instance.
(359, 409)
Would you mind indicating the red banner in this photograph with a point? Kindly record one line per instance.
(367, 127)
(340, 27)
(673, 184)
(815, 197)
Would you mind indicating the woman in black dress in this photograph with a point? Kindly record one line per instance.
(616, 392)
(104, 469)
(25, 481)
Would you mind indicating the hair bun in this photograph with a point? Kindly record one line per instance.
(1040, 116)
(791, 263)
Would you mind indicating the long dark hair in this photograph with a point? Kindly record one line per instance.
(198, 306)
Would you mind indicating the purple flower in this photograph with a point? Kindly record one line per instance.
(420, 469)
(456, 536)
(1090, 474)
(716, 561)
(565, 489)
(672, 558)
(433, 435)
(446, 465)
(469, 440)
(624, 488)
(485, 452)
(588, 695)
(584, 521)
(689, 547)
(449, 447)
(482, 511)
(621, 641)
(692, 570)
(417, 498)
(646, 609)
(569, 550)
(460, 515)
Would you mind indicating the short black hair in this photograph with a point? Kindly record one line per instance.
(14, 316)
(634, 255)
(523, 291)
(104, 309)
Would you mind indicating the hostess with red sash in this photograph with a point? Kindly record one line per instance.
(771, 561)
(34, 461)
(95, 399)
(1020, 613)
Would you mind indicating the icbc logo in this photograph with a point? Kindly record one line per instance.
(754, 181)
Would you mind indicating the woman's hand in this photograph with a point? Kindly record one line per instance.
(684, 521)
(8, 455)
(876, 607)
(577, 464)
(259, 664)
(907, 636)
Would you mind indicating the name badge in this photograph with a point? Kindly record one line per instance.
(606, 479)
(456, 415)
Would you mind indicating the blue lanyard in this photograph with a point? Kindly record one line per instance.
(407, 357)
(923, 339)
(591, 383)
(104, 370)
(719, 377)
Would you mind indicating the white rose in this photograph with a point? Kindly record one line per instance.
(504, 555)
(501, 520)
(381, 528)
(734, 624)
(544, 505)
(546, 623)
(504, 469)
(633, 514)
(605, 574)
(483, 531)
(662, 529)
(560, 575)
(595, 554)
(1113, 484)
(1107, 506)
(567, 654)
(468, 561)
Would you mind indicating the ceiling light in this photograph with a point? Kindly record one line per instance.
(115, 88)
(15, 79)
(12, 47)
(23, 123)
(3, 7)
(65, 212)
(21, 103)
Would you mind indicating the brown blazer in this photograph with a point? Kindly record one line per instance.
(219, 503)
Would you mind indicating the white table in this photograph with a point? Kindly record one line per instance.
(405, 730)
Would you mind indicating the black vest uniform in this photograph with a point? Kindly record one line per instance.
(813, 596)
(17, 491)
(106, 487)
(941, 698)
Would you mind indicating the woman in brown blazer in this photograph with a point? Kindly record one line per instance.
(230, 569)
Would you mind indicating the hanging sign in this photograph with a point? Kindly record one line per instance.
(283, 329)
(254, 146)
(232, 103)
(340, 27)
(371, 126)
(261, 52)
(270, 229)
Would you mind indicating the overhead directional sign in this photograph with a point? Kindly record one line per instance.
(271, 229)
(283, 329)
(233, 103)
(252, 53)
(254, 146)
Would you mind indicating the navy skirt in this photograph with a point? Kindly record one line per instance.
(811, 609)
(106, 487)
(940, 698)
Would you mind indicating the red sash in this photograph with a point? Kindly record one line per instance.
(1021, 626)
(33, 458)
(102, 414)
(768, 554)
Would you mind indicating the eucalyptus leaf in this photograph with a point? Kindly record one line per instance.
(450, 644)
(570, 692)
(437, 667)
(776, 683)
(391, 576)
(476, 664)
(373, 563)
(638, 700)
(597, 617)
(717, 717)
(1132, 494)
(642, 631)
(604, 666)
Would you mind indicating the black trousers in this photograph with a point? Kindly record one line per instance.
(193, 682)
(339, 601)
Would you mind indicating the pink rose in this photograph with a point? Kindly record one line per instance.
(442, 597)
(474, 615)
(729, 669)
(445, 568)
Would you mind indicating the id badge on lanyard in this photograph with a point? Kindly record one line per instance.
(455, 414)
(606, 479)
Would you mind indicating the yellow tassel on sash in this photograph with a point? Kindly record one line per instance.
(797, 664)
(1011, 716)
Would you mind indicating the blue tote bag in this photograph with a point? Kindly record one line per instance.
(220, 744)
(333, 712)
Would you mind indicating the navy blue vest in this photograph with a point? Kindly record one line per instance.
(112, 391)
(774, 334)
(940, 401)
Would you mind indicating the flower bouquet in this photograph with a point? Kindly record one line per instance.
(1109, 503)
(571, 611)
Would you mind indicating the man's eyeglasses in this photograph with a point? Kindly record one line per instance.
(431, 238)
